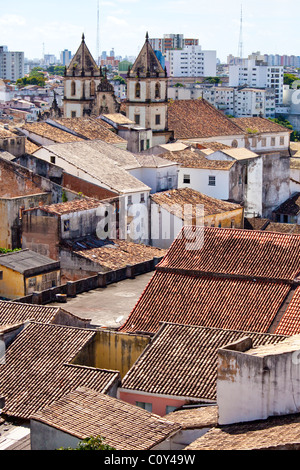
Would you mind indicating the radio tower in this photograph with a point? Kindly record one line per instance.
(98, 34)
(240, 51)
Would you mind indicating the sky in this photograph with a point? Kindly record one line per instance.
(35, 27)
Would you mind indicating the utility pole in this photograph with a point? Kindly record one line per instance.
(98, 35)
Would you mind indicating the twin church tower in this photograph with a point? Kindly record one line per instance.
(87, 92)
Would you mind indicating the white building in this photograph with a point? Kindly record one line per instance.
(257, 74)
(192, 61)
(11, 64)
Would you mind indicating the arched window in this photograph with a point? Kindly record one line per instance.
(73, 88)
(138, 90)
(157, 90)
(92, 88)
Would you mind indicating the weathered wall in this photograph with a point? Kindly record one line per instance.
(42, 282)
(79, 185)
(112, 350)
(252, 386)
(40, 233)
(276, 182)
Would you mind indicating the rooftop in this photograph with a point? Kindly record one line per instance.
(14, 313)
(291, 206)
(90, 128)
(193, 159)
(175, 200)
(85, 412)
(190, 119)
(223, 278)
(104, 162)
(38, 364)
(192, 373)
(290, 322)
(43, 129)
(258, 125)
(27, 261)
(275, 433)
(77, 205)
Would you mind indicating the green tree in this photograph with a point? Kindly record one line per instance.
(289, 78)
(91, 443)
(295, 135)
(120, 79)
(213, 80)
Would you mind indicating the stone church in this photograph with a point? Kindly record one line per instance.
(147, 100)
(87, 92)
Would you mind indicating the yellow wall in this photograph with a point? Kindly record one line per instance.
(12, 284)
(226, 219)
(42, 282)
(113, 350)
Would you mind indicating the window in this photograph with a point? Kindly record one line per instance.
(157, 119)
(142, 145)
(66, 225)
(186, 179)
(144, 405)
(142, 197)
(32, 282)
(273, 141)
(52, 159)
(138, 90)
(137, 118)
(263, 142)
(73, 88)
(170, 409)
(92, 88)
(211, 181)
(129, 200)
(73, 114)
(281, 140)
(157, 90)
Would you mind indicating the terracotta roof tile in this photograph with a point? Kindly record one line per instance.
(238, 252)
(49, 132)
(275, 433)
(175, 200)
(193, 159)
(191, 119)
(192, 373)
(291, 206)
(76, 205)
(37, 368)
(290, 322)
(91, 129)
(196, 418)
(15, 312)
(85, 412)
(258, 125)
(217, 302)
(232, 279)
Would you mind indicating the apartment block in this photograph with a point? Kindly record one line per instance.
(191, 61)
(11, 64)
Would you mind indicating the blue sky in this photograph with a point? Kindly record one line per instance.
(270, 26)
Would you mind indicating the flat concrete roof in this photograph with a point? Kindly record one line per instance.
(110, 306)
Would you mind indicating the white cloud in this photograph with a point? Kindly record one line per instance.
(12, 20)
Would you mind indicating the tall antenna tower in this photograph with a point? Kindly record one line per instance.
(98, 35)
(240, 51)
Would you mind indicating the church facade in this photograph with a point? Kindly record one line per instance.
(147, 101)
(87, 92)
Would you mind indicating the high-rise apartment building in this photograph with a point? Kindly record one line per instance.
(11, 64)
(258, 74)
(191, 61)
(171, 42)
(65, 57)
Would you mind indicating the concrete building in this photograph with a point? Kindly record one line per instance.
(25, 271)
(191, 61)
(255, 73)
(11, 64)
(65, 57)
(172, 42)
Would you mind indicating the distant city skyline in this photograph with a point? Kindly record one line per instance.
(268, 26)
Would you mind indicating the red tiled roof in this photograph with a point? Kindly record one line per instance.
(290, 322)
(249, 253)
(199, 119)
(38, 369)
(160, 369)
(217, 302)
(235, 279)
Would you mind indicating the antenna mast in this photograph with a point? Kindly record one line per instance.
(98, 33)
(240, 51)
